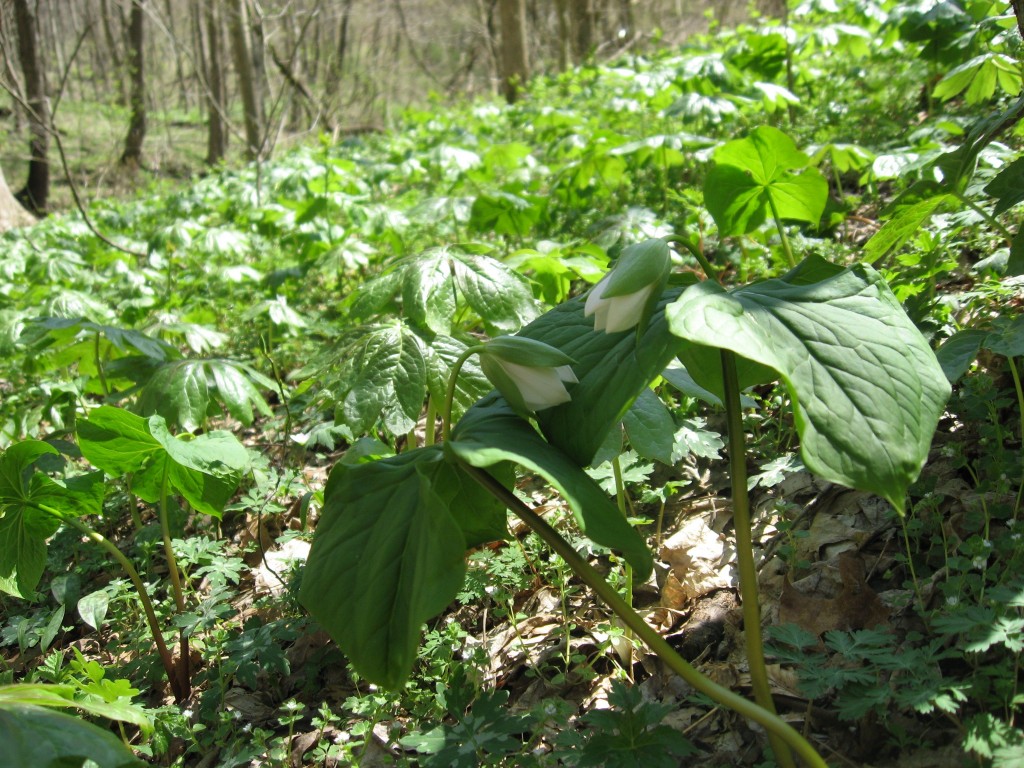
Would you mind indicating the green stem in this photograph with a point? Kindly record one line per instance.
(428, 429)
(782, 233)
(988, 217)
(1020, 413)
(745, 552)
(184, 674)
(140, 589)
(698, 255)
(99, 366)
(453, 380)
(620, 499)
(769, 720)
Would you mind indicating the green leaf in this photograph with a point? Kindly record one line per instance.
(383, 375)
(650, 428)
(31, 505)
(387, 556)
(902, 226)
(1015, 262)
(956, 353)
(183, 392)
(1007, 187)
(205, 470)
(93, 608)
(491, 433)
(612, 369)
(752, 175)
(867, 390)
(33, 736)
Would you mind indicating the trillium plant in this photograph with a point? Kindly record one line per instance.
(866, 390)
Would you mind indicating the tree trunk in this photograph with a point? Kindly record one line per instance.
(132, 155)
(36, 192)
(245, 69)
(582, 13)
(564, 37)
(113, 48)
(216, 97)
(12, 214)
(514, 63)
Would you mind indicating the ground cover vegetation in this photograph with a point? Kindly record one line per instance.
(557, 433)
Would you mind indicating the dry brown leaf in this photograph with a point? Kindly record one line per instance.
(855, 606)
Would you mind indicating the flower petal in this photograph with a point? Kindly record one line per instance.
(540, 387)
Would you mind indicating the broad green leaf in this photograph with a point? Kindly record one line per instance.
(505, 213)
(442, 353)
(34, 736)
(650, 428)
(205, 470)
(1007, 337)
(867, 390)
(428, 292)
(23, 535)
(753, 178)
(116, 441)
(31, 506)
(502, 298)
(491, 433)
(387, 556)
(1015, 261)
(612, 369)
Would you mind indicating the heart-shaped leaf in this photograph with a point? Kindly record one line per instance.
(867, 390)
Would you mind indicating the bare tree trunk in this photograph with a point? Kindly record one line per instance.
(36, 192)
(583, 16)
(113, 48)
(514, 65)
(245, 69)
(564, 38)
(132, 154)
(216, 98)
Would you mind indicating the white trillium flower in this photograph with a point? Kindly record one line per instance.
(616, 313)
(540, 388)
(625, 297)
(530, 374)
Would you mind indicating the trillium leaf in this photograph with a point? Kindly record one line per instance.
(611, 368)
(867, 390)
(387, 556)
(755, 174)
(491, 433)
(650, 428)
(42, 737)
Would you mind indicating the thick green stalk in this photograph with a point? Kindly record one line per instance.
(769, 720)
(140, 589)
(449, 400)
(745, 552)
